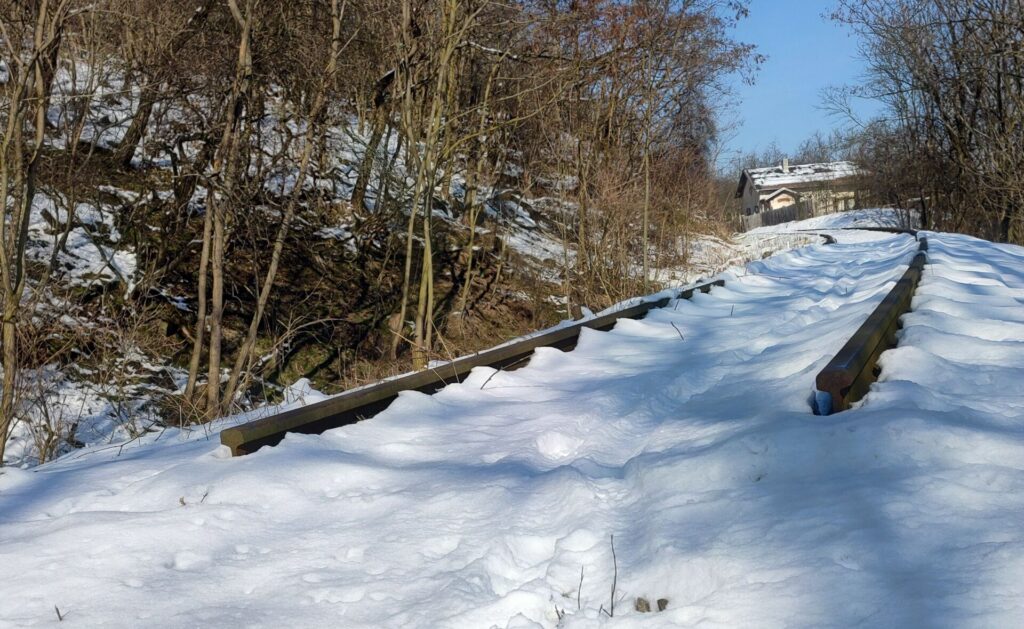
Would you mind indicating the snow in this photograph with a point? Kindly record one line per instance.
(70, 404)
(90, 254)
(772, 177)
(96, 258)
(341, 233)
(687, 435)
(709, 256)
(852, 219)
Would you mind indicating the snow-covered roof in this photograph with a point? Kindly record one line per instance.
(773, 176)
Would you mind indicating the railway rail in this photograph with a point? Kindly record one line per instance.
(848, 376)
(364, 402)
(844, 380)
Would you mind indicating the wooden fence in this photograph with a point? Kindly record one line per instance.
(796, 212)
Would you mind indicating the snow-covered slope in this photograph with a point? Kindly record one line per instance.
(688, 436)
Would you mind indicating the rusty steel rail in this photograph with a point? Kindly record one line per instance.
(828, 239)
(848, 376)
(888, 230)
(364, 402)
(831, 240)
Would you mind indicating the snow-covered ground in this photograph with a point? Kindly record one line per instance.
(120, 390)
(688, 436)
(870, 217)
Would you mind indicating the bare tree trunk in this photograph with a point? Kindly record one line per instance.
(226, 164)
(647, 213)
(419, 351)
(12, 298)
(125, 150)
(472, 185)
(150, 93)
(34, 75)
(309, 141)
(216, 313)
(366, 164)
(441, 104)
(471, 219)
(410, 233)
(200, 333)
(424, 311)
(384, 181)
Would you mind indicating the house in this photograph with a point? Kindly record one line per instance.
(806, 189)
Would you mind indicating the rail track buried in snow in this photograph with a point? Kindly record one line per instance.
(362, 403)
(848, 376)
(844, 380)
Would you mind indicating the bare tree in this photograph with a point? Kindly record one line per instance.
(949, 73)
(32, 34)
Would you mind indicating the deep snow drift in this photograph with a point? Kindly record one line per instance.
(687, 435)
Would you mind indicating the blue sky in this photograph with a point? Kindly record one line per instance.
(806, 52)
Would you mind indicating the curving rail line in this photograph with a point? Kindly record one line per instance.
(844, 381)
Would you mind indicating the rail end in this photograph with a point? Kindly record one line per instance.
(822, 402)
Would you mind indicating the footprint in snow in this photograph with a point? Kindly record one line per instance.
(557, 446)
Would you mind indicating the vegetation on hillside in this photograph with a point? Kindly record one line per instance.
(207, 201)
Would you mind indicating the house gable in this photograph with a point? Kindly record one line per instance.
(772, 195)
